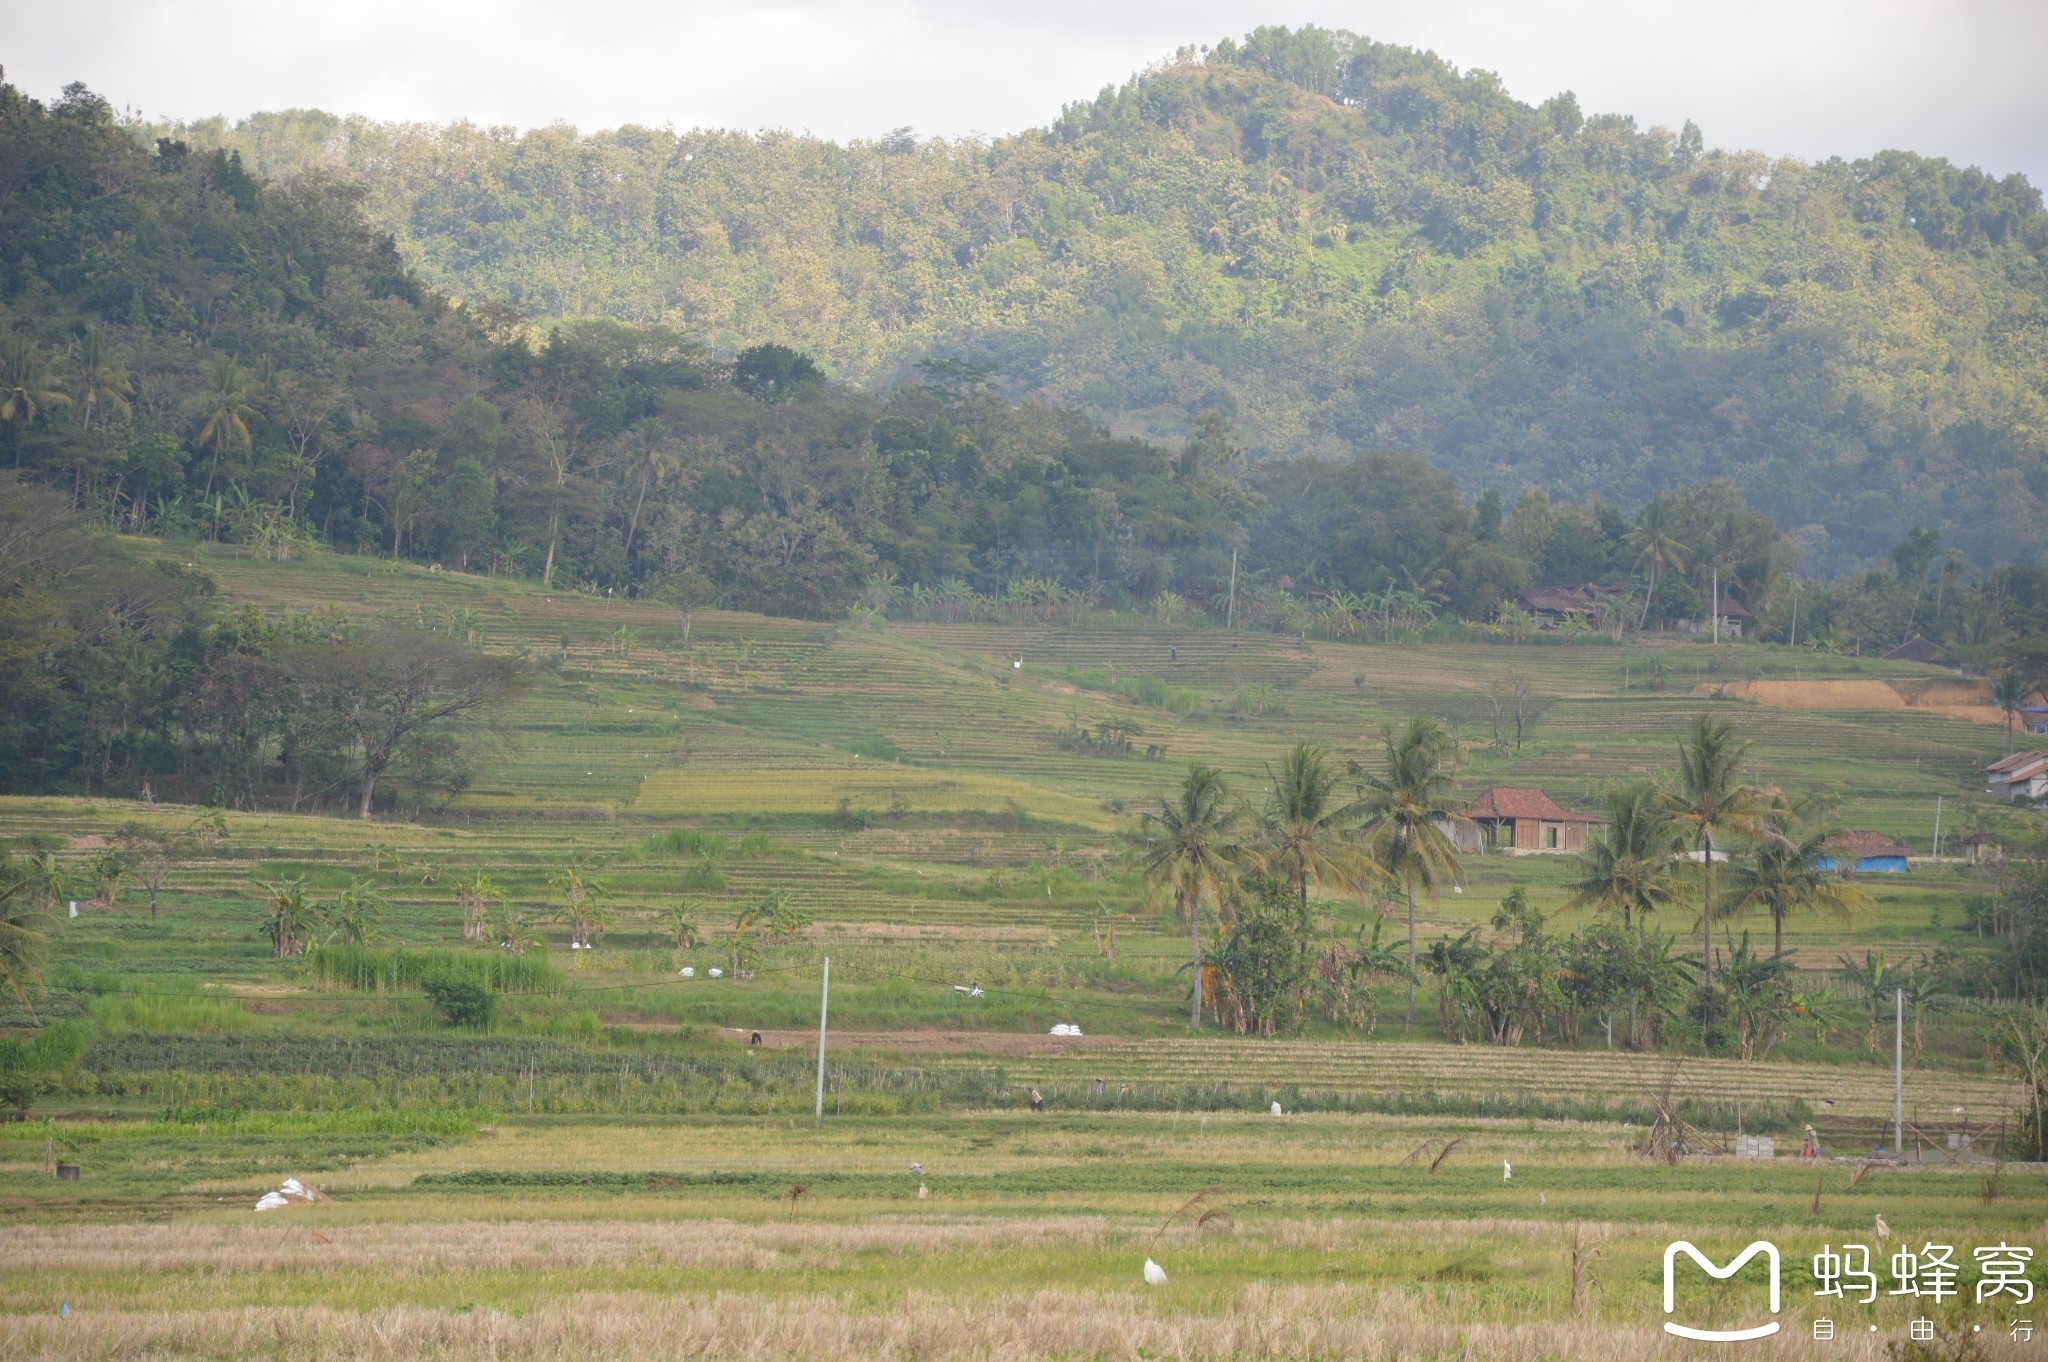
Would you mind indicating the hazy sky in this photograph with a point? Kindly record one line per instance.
(1956, 78)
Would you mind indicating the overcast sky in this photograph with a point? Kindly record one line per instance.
(1811, 78)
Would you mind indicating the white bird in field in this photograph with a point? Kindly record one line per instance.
(922, 1192)
(1457, 889)
(1276, 1108)
(1155, 1275)
(1884, 1231)
(1018, 666)
(1505, 1171)
(1542, 1200)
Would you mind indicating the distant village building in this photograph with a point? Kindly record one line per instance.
(1520, 821)
(1553, 605)
(1983, 848)
(2034, 718)
(2023, 775)
(1866, 853)
(1922, 649)
(1733, 613)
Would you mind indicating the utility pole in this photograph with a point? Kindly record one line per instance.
(1716, 606)
(1898, 1074)
(1795, 612)
(1937, 827)
(1230, 610)
(824, 999)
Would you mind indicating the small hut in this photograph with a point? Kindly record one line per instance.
(1983, 848)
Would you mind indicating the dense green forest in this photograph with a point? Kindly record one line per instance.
(1341, 245)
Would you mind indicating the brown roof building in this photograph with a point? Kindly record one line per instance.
(1552, 605)
(1522, 820)
(1922, 649)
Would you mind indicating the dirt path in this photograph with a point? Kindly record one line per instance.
(1005, 1043)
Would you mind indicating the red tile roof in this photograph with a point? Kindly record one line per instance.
(1512, 801)
(1863, 843)
(2017, 761)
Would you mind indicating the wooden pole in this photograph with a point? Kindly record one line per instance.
(1898, 1074)
(824, 1000)
(1230, 610)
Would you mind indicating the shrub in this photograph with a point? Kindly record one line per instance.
(459, 998)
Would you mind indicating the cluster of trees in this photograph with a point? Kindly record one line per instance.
(121, 673)
(1343, 245)
(190, 350)
(1710, 843)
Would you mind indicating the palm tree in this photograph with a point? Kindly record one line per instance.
(1302, 831)
(24, 930)
(1407, 805)
(228, 401)
(1712, 801)
(1655, 541)
(1781, 876)
(650, 460)
(1628, 866)
(25, 383)
(1188, 846)
(2010, 691)
(97, 374)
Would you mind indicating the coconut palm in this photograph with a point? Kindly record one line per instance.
(1304, 828)
(1189, 846)
(1407, 804)
(1628, 868)
(1781, 876)
(2010, 691)
(651, 459)
(26, 387)
(228, 402)
(24, 930)
(1712, 801)
(97, 375)
(1655, 540)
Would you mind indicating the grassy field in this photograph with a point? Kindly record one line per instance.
(608, 1172)
(1322, 1237)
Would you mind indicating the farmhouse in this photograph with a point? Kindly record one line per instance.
(1520, 821)
(1868, 853)
(1553, 605)
(1732, 613)
(2023, 775)
(1919, 648)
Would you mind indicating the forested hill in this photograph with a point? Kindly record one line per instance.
(1339, 243)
